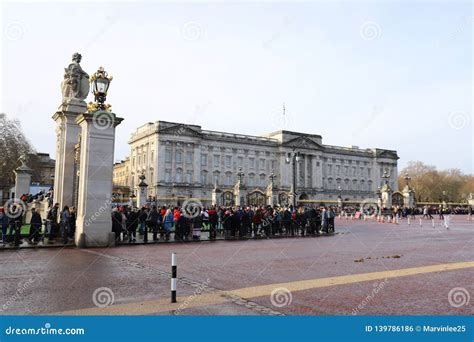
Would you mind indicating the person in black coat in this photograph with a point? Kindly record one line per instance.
(227, 223)
(235, 226)
(72, 222)
(116, 223)
(35, 226)
(287, 222)
(54, 224)
(132, 225)
(180, 228)
(152, 222)
(246, 224)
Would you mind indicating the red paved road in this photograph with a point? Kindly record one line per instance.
(53, 280)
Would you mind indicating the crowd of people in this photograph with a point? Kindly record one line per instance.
(58, 225)
(227, 222)
(187, 223)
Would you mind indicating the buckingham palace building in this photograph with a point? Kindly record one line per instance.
(181, 161)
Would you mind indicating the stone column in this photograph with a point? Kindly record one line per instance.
(67, 137)
(386, 197)
(22, 180)
(408, 197)
(142, 193)
(94, 222)
(237, 194)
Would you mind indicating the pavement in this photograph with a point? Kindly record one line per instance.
(366, 268)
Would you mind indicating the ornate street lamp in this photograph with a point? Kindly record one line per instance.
(100, 85)
(293, 158)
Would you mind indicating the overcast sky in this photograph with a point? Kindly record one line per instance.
(395, 75)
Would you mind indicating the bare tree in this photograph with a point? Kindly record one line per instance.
(13, 144)
(432, 185)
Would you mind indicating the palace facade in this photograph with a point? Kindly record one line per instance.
(183, 161)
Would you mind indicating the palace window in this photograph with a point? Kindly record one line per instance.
(216, 178)
(217, 161)
(251, 163)
(203, 177)
(228, 178)
(251, 179)
(167, 176)
(228, 161)
(240, 162)
(203, 159)
(189, 157)
(179, 176)
(168, 156)
(179, 157)
(262, 164)
(189, 177)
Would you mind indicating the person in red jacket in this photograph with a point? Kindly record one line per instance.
(176, 214)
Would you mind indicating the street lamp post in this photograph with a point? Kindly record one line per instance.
(339, 198)
(132, 199)
(240, 175)
(407, 180)
(293, 158)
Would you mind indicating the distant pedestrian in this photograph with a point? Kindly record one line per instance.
(3, 225)
(116, 223)
(35, 226)
(64, 224)
(168, 222)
